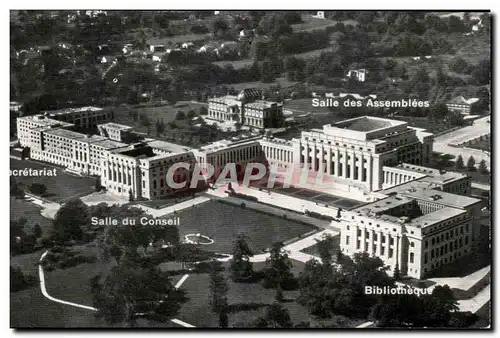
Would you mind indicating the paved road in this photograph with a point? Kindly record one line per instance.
(480, 127)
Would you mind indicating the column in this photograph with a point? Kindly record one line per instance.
(344, 164)
(370, 244)
(360, 167)
(379, 243)
(353, 164)
(369, 172)
(322, 159)
(313, 157)
(329, 160)
(337, 162)
(306, 155)
(363, 239)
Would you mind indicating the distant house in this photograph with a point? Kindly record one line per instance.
(209, 47)
(461, 105)
(355, 96)
(107, 59)
(15, 106)
(94, 14)
(187, 45)
(357, 74)
(64, 45)
(319, 15)
(157, 56)
(157, 48)
(216, 12)
(416, 58)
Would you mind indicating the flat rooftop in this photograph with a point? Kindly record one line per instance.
(262, 104)
(44, 121)
(109, 144)
(436, 216)
(367, 123)
(115, 126)
(420, 190)
(433, 175)
(166, 146)
(383, 205)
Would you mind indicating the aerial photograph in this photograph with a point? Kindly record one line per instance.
(242, 169)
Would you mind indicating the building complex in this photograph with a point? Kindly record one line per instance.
(413, 217)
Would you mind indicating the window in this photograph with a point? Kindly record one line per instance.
(412, 257)
(412, 244)
(346, 240)
(391, 252)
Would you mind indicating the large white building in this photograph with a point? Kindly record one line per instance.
(247, 108)
(413, 228)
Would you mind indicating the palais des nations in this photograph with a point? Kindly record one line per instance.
(414, 218)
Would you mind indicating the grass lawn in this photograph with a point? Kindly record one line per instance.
(30, 211)
(282, 81)
(223, 222)
(60, 187)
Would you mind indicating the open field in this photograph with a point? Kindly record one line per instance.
(197, 310)
(223, 222)
(282, 81)
(311, 23)
(60, 187)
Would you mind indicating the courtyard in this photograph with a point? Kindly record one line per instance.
(223, 222)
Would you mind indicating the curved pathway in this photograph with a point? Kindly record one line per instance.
(46, 294)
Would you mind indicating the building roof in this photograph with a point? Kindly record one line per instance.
(432, 175)
(113, 125)
(261, 104)
(44, 121)
(166, 146)
(364, 123)
(461, 100)
(421, 191)
(109, 144)
(436, 216)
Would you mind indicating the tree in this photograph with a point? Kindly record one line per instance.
(98, 185)
(267, 72)
(130, 292)
(241, 267)
(180, 115)
(440, 110)
(471, 164)
(38, 189)
(15, 189)
(219, 290)
(70, 220)
(191, 114)
(482, 167)
(326, 248)
(482, 72)
(19, 281)
(37, 230)
(220, 26)
(160, 126)
(276, 316)
(459, 163)
(277, 273)
(460, 66)
(203, 110)
(438, 307)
